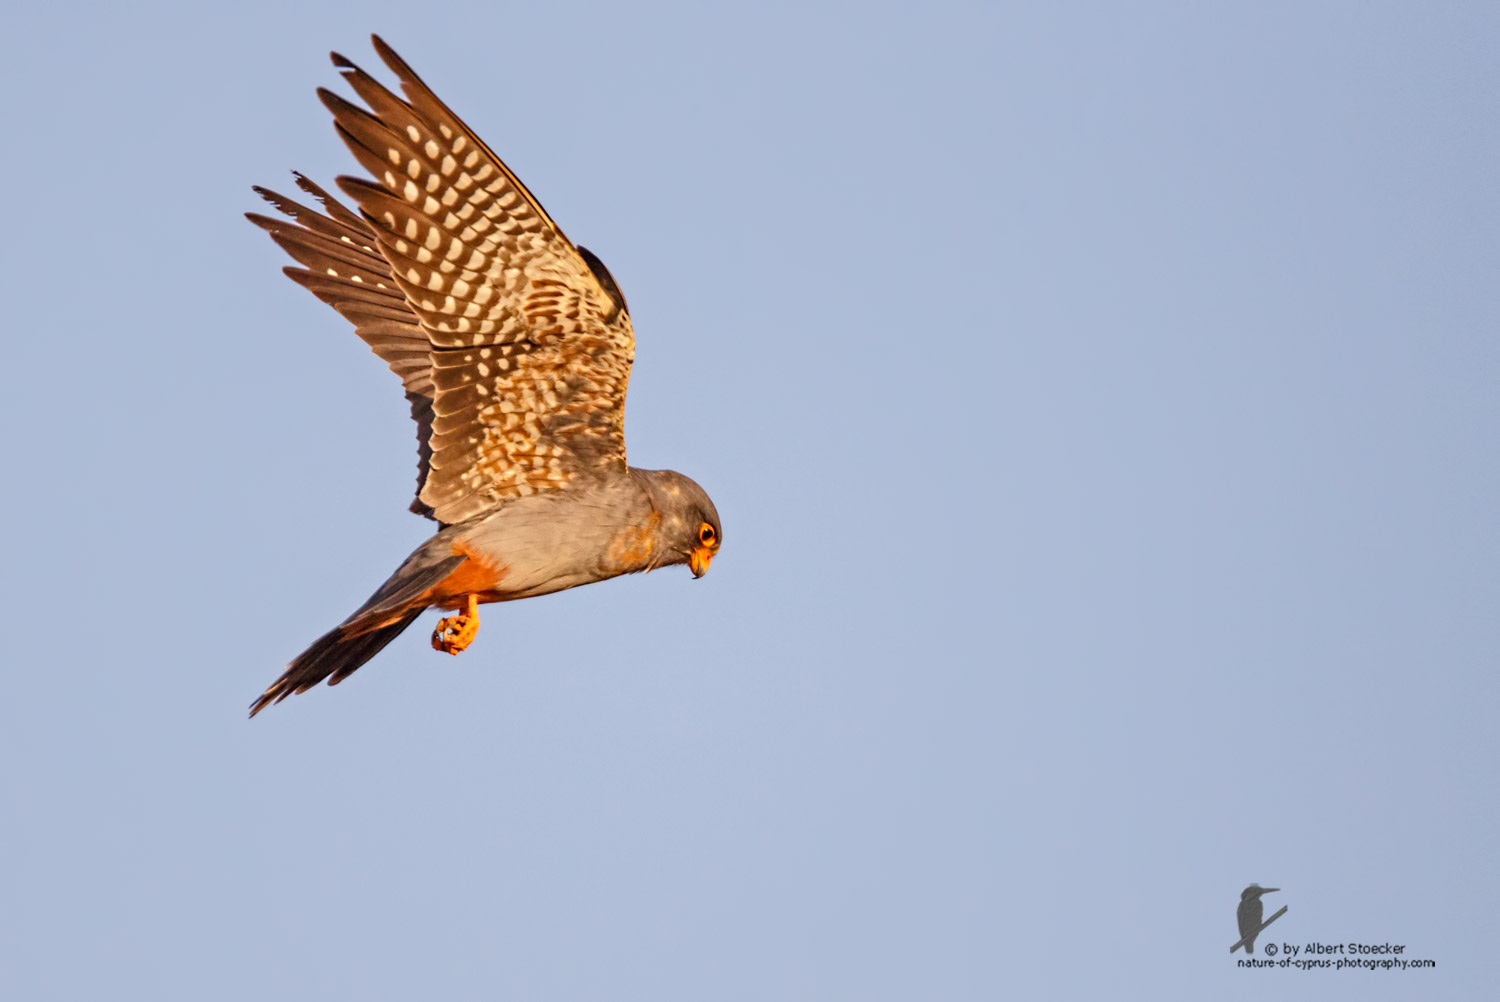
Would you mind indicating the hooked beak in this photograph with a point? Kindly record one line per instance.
(699, 561)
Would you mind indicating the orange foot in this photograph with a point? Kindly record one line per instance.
(454, 633)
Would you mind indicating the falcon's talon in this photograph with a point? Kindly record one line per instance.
(456, 633)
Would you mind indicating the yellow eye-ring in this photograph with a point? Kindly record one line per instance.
(706, 534)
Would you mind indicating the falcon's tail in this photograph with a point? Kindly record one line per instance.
(335, 654)
(405, 595)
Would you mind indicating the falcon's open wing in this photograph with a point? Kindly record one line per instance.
(514, 345)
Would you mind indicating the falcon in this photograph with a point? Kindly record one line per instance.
(514, 347)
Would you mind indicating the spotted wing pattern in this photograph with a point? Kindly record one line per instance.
(342, 267)
(527, 339)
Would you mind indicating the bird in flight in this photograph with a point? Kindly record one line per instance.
(514, 348)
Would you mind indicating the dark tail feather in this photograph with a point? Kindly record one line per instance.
(335, 653)
(402, 598)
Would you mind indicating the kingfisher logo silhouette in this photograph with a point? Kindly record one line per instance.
(1249, 915)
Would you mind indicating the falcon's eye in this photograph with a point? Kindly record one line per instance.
(706, 534)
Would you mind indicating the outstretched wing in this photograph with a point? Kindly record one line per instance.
(527, 339)
(342, 267)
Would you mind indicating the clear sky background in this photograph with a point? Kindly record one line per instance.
(1101, 404)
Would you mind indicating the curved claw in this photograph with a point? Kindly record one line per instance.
(454, 633)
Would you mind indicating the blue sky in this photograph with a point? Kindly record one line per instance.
(1100, 404)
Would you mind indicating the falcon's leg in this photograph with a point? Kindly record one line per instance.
(454, 633)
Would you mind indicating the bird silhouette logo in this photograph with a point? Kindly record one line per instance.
(1249, 915)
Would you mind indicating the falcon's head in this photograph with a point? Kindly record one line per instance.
(689, 531)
